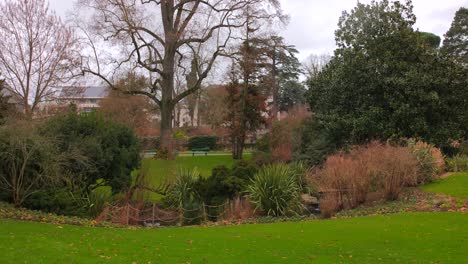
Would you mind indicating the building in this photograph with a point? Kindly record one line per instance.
(85, 98)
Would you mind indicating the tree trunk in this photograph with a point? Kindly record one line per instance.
(166, 129)
(274, 83)
(167, 108)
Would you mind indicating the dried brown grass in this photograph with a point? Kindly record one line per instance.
(284, 136)
(238, 209)
(346, 179)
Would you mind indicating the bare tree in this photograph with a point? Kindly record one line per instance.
(29, 162)
(158, 36)
(314, 64)
(36, 51)
(130, 110)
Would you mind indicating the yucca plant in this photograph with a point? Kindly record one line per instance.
(183, 190)
(275, 190)
(300, 170)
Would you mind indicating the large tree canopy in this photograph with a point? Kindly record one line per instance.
(163, 38)
(385, 82)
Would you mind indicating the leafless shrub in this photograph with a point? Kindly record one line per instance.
(347, 178)
(238, 209)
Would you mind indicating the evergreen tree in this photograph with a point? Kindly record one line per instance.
(385, 82)
(455, 44)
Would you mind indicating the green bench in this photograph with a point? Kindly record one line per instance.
(200, 150)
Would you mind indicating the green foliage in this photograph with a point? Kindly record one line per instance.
(317, 143)
(284, 69)
(246, 94)
(246, 104)
(384, 82)
(457, 163)
(29, 162)
(191, 191)
(109, 151)
(455, 44)
(221, 186)
(244, 169)
(275, 190)
(63, 201)
(59, 201)
(183, 191)
(8, 211)
(291, 93)
(198, 142)
(430, 39)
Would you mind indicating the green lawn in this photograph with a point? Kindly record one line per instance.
(164, 168)
(401, 238)
(159, 170)
(455, 185)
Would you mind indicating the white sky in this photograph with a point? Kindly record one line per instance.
(313, 22)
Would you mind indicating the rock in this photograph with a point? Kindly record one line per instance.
(309, 199)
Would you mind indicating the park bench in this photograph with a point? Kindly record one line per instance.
(200, 150)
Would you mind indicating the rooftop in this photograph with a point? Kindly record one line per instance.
(83, 92)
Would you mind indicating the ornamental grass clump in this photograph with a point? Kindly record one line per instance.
(431, 161)
(275, 191)
(346, 179)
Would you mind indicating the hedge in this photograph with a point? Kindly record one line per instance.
(202, 142)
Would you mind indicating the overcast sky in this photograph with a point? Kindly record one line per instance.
(313, 22)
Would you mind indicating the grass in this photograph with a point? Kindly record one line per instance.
(160, 170)
(455, 186)
(400, 238)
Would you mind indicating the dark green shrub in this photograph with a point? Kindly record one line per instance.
(316, 144)
(64, 202)
(263, 144)
(202, 142)
(98, 152)
(244, 169)
(221, 186)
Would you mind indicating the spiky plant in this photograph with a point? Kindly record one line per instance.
(275, 190)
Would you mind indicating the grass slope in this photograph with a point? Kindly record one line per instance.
(455, 186)
(160, 170)
(400, 238)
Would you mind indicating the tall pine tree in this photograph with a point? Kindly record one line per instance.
(455, 44)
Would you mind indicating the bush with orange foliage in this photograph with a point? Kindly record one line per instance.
(346, 179)
(283, 137)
